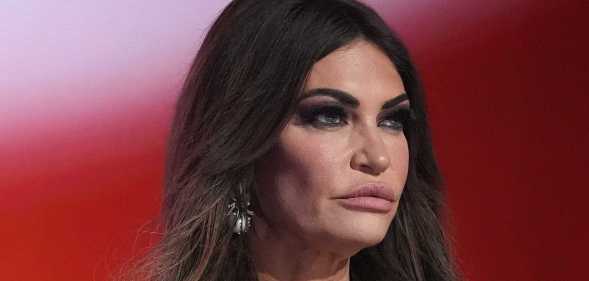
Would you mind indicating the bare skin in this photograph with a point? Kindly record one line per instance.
(303, 227)
(271, 251)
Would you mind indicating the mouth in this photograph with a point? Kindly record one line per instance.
(370, 197)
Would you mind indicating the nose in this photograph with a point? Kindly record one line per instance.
(371, 156)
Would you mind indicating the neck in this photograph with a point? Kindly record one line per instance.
(279, 256)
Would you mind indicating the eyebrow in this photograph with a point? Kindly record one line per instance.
(348, 99)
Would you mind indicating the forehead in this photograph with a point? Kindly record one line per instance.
(359, 68)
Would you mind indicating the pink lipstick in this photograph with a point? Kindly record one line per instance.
(369, 197)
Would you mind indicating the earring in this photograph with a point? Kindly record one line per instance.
(240, 214)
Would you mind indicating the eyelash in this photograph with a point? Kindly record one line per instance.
(400, 117)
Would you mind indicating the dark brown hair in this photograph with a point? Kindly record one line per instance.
(237, 97)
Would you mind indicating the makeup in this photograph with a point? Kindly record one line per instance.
(329, 114)
(369, 197)
(323, 114)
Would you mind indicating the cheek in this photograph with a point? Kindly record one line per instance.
(399, 153)
(315, 160)
(296, 179)
(297, 174)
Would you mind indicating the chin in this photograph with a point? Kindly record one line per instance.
(369, 236)
(358, 233)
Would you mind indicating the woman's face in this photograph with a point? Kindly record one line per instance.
(335, 177)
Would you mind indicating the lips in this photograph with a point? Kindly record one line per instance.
(371, 190)
(369, 197)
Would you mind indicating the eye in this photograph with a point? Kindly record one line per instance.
(324, 116)
(398, 119)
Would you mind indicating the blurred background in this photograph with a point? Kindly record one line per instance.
(87, 90)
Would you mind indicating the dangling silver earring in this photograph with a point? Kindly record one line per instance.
(240, 214)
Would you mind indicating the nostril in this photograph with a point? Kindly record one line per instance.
(367, 162)
(371, 154)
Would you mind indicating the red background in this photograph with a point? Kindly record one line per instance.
(86, 97)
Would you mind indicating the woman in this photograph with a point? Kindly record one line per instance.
(300, 151)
